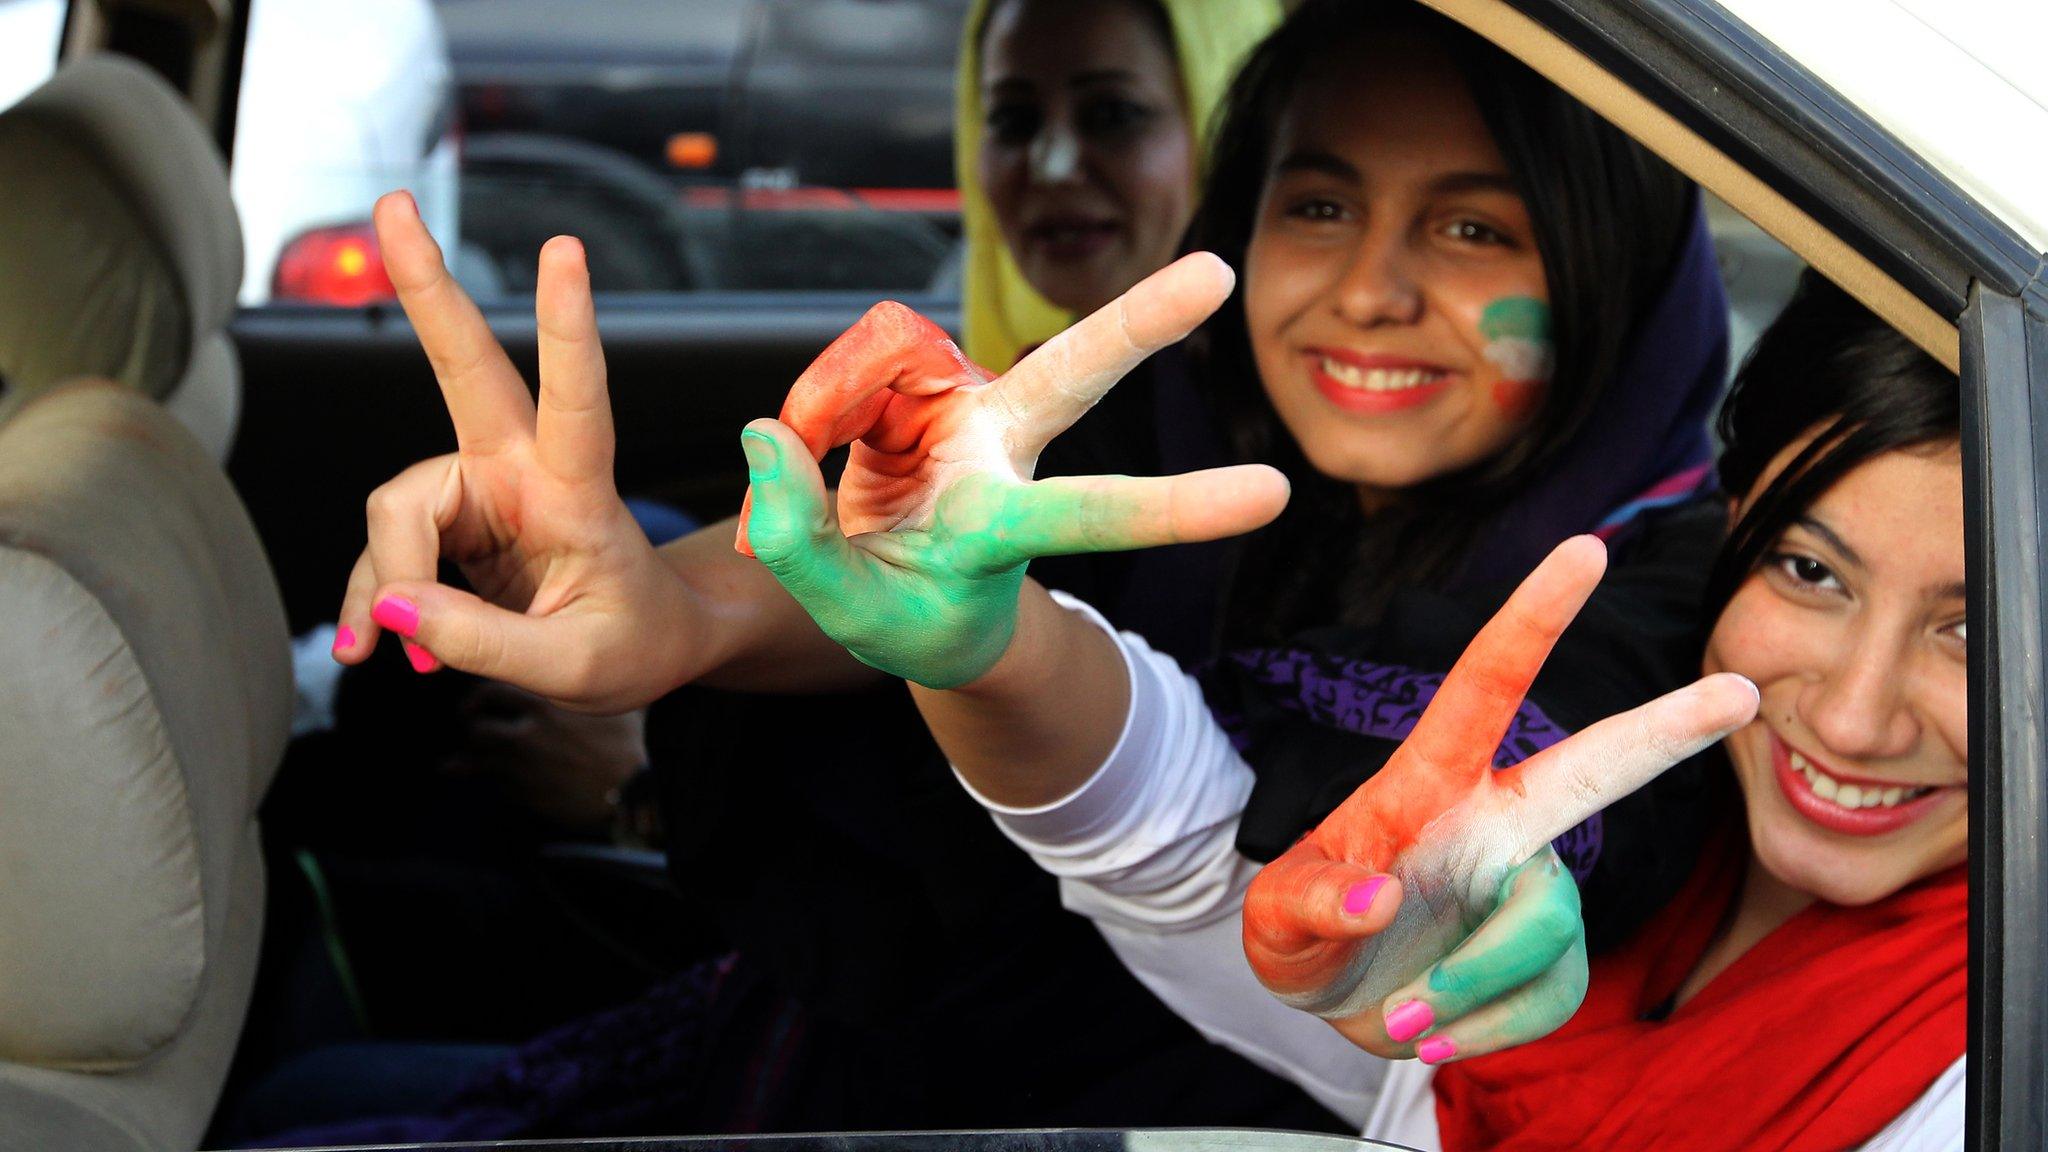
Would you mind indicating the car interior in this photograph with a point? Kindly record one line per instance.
(163, 537)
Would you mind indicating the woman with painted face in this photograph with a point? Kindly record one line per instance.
(1438, 439)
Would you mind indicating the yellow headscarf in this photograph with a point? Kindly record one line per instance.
(1003, 315)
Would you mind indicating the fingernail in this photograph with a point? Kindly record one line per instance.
(411, 204)
(344, 637)
(398, 614)
(1436, 1050)
(762, 458)
(422, 660)
(1752, 686)
(1358, 897)
(1407, 1021)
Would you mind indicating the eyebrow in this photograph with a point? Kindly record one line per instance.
(1078, 80)
(1099, 75)
(1324, 163)
(1955, 589)
(1834, 541)
(1332, 165)
(1474, 182)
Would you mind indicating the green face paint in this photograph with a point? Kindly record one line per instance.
(1517, 332)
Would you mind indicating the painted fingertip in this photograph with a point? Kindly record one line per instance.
(764, 459)
(422, 660)
(1409, 1020)
(344, 639)
(1358, 897)
(398, 614)
(1436, 1050)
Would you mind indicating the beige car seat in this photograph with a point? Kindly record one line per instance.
(145, 696)
(120, 252)
(145, 671)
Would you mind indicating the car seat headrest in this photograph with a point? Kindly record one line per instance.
(120, 251)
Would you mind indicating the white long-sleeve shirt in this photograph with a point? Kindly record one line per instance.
(1146, 849)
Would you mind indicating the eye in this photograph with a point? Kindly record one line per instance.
(1112, 115)
(1468, 231)
(1805, 572)
(1318, 210)
(1013, 123)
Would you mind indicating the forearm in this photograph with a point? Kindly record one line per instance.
(1037, 725)
(745, 632)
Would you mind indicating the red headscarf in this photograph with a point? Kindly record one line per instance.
(1816, 1038)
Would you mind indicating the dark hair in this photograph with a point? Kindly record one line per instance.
(1610, 220)
(1829, 368)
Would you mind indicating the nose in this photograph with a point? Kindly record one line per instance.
(1862, 707)
(1055, 153)
(1378, 286)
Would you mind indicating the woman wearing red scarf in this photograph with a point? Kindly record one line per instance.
(1806, 989)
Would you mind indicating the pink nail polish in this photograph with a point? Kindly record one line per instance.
(422, 660)
(1436, 1050)
(398, 614)
(344, 638)
(1358, 897)
(1407, 1021)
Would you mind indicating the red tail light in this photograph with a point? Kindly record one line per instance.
(338, 265)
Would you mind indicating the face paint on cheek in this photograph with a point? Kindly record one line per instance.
(1517, 332)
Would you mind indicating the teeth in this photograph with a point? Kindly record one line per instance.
(1375, 379)
(1850, 795)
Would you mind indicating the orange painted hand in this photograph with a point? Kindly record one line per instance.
(1427, 915)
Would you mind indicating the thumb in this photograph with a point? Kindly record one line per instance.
(788, 523)
(1305, 914)
(440, 625)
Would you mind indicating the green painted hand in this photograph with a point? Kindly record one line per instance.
(918, 569)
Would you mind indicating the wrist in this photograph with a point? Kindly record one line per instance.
(1039, 626)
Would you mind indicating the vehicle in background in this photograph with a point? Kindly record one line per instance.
(29, 31)
(340, 103)
(815, 136)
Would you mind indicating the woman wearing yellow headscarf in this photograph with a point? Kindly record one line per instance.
(1079, 131)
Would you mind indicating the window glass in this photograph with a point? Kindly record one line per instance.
(30, 31)
(1758, 272)
(693, 145)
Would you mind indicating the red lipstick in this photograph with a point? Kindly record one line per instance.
(1836, 818)
(1353, 396)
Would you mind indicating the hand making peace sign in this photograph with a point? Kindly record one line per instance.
(1428, 915)
(919, 570)
(568, 587)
